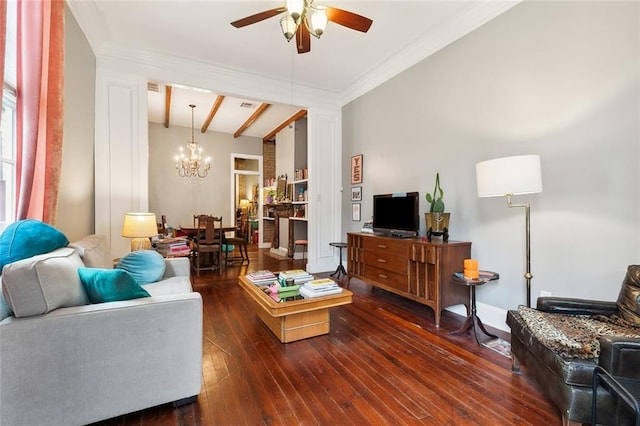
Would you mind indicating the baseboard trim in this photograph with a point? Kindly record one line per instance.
(489, 314)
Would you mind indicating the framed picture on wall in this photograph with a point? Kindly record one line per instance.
(355, 212)
(356, 169)
(356, 193)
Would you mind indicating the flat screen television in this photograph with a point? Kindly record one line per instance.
(396, 214)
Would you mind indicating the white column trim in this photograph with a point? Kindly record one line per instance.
(121, 153)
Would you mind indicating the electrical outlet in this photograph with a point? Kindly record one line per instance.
(544, 293)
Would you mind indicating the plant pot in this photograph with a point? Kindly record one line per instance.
(437, 224)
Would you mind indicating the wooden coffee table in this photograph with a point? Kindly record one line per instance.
(296, 319)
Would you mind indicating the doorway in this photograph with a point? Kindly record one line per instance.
(246, 187)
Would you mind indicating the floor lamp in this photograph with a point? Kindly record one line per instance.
(510, 176)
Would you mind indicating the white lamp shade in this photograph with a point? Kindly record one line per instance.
(295, 8)
(139, 225)
(288, 26)
(509, 175)
(317, 22)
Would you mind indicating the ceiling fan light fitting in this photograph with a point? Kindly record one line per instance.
(295, 9)
(288, 26)
(316, 20)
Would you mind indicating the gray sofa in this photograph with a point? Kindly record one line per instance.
(75, 365)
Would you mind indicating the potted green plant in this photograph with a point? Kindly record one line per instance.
(437, 221)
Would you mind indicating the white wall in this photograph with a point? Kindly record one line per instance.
(559, 79)
(285, 151)
(180, 198)
(75, 217)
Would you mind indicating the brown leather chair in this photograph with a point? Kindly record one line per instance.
(207, 244)
(568, 382)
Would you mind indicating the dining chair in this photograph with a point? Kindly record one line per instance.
(240, 240)
(162, 225)
(207, 243)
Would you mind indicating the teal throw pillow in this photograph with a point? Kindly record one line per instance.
(110, 285)
(27, 238)
(146, 266)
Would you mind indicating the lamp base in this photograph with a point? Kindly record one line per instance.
(140, 244)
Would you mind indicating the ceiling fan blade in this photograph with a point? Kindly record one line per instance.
(243, 22)
(303, 39)
(349, 19)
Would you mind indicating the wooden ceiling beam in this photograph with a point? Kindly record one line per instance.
(167, 105)
(212, 113)
(293, 118)
(257, 113)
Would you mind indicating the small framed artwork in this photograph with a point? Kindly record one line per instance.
(356, 193)
(355, 212)
(356, 169)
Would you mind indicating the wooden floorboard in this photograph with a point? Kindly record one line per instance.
(383, 362)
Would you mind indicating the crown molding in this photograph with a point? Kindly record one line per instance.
(216, 77)
(168, 68)
(90, 20)
(438, 38)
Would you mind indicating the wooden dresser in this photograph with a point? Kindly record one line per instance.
(416, 269)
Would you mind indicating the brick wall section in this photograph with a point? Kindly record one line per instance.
(269, 160)
(269, 172)
(268, 227)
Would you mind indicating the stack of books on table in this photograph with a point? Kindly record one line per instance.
(264, 277)
(173, 247)
(299, 276)
(319, 287)
(279, 293)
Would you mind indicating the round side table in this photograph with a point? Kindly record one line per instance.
(473, 321)
(340, 269)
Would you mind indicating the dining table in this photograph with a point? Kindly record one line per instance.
(192, 231)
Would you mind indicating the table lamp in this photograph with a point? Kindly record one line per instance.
(510, 176)
(140, 227)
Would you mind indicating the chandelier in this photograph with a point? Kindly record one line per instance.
(192, 165)
(301, 11)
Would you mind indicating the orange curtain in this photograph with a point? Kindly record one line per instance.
(40, 108)
(3, 42)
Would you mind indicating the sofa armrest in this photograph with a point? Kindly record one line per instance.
(620, 356)
(177, 267)
(563, 305)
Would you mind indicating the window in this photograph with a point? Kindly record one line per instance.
(8, 123)
(7, 160)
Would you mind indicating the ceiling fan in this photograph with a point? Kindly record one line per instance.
(303, 18)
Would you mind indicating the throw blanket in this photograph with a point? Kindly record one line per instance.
(575, 336)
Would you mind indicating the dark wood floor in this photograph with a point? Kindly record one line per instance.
(384, 362)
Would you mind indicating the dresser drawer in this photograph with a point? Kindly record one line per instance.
(386, 278)
(387, 261)
(387, 245)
